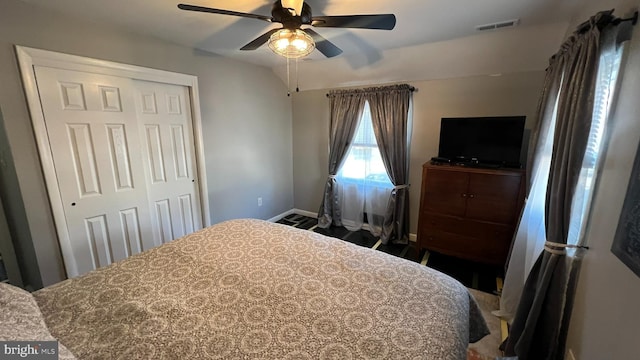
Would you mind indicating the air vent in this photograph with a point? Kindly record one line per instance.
(498, 25)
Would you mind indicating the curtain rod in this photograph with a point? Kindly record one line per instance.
(633, 19)
(411, 88)
(607, 18)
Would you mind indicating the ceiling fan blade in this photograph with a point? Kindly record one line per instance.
(380, 21)
(223, 12)
(323, 45)
(259, 41)
(296, 5)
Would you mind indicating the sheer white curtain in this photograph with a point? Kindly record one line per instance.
(531, 234)
(363, 184)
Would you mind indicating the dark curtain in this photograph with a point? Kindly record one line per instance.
(540, 326)
(345, 111)
(389, 114)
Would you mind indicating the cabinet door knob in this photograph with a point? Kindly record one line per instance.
(464, 195)
(471, 195)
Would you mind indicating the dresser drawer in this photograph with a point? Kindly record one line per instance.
(466, 227)
(468, 239)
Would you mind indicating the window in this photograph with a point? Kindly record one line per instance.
(608, 69)
(363, 161)
(531, 234)
(363, 184)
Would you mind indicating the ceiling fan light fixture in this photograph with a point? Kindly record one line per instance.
(291, 43)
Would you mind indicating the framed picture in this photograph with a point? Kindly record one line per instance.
(626, 244)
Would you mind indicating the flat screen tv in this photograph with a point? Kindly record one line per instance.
(492, 141)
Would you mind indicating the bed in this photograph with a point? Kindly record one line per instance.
(248, 288)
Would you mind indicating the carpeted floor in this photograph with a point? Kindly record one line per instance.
(480, 279)
(487, 347)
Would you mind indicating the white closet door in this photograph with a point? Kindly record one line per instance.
(164, 115)
(94, 134)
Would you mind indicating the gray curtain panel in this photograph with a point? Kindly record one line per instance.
(541, 322)
(389, 114)
(346, 110)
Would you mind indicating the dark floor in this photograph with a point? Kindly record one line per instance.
(473, 275)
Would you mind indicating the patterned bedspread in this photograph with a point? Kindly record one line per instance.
(251, 289)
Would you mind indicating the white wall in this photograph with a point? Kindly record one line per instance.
(509, 94)
(245, 112)
(606, 320)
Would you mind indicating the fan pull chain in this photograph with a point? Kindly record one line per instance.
(288, 79)
(297, 77)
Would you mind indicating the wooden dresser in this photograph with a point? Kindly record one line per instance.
(470, 213)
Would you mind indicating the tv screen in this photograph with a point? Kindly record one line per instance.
(488, 140)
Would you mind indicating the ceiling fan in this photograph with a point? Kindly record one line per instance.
(293, 14)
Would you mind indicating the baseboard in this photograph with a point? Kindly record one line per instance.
(293, 211)
(278, 217)
(412, 237)
(306, 213)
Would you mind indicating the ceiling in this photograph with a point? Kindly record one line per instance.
(420, 23)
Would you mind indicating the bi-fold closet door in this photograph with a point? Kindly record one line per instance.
(125, 165)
